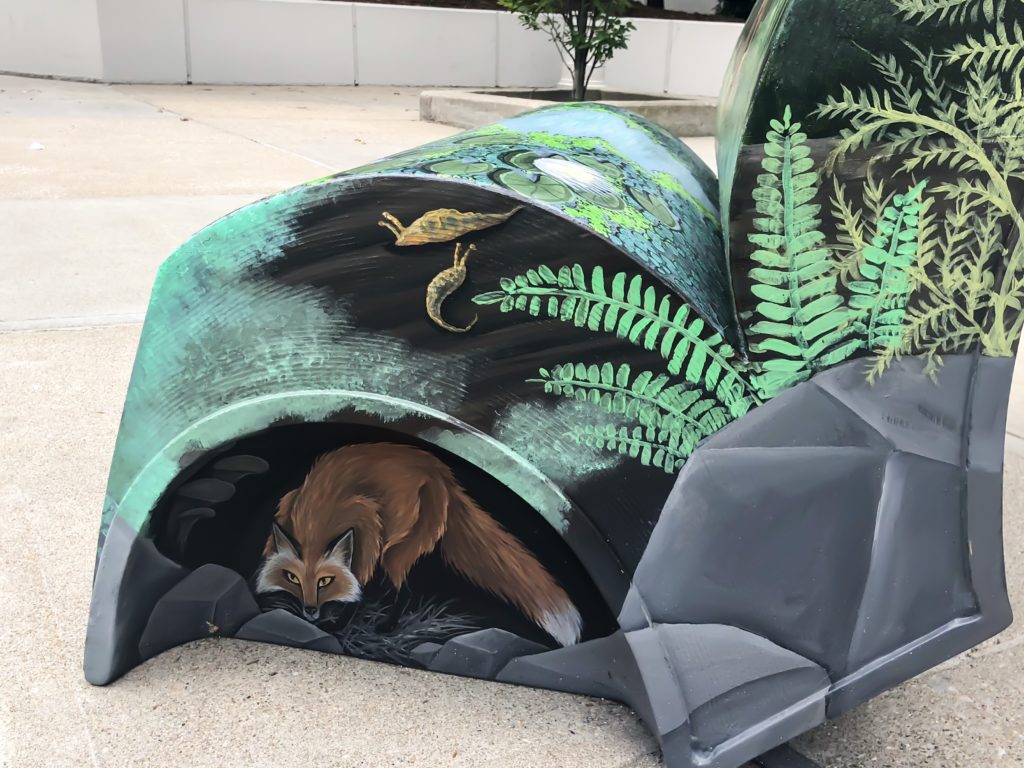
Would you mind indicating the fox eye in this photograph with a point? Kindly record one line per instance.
(324, 581)
(291, 577)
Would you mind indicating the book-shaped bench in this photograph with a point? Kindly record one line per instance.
(547, 403)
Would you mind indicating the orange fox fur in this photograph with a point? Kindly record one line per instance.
(385, 505)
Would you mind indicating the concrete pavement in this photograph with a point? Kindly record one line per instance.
(125, 174)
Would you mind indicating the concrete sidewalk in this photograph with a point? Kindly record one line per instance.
(126, 173)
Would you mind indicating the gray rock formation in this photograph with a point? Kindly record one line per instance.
(210, 601)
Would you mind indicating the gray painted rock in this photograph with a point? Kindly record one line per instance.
(827, 524)
(280, 626)
(482, 654)
(131, 575)
(210, 601)
(732, 680)
(424, 653)
(701, 687)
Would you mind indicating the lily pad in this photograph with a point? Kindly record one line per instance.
(543, 188)
(654, 206)
(522, 159)
(459, 168)
(608, 170)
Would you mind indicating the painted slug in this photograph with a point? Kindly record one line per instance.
(442, 225)
(444, 285)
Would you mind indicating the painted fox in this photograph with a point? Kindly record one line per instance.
(388, 505)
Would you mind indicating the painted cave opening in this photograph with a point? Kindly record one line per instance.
(220, 511)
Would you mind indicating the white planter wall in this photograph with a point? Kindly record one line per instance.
(263, 42)
(642, 66)
(683, 58)
(51, 37)
(699, 54)
(405, 45)
(143, 40)
(525, 57)
(317, 42)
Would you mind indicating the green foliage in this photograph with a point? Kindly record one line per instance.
(956, 113)
(804, 325)
(666, 416)
(852, 224)
(648, 398)
(586, 32)
(1001, 48)
(952, 11)
(953, 285)
(652, 447)
(880, 296)
(635, 312)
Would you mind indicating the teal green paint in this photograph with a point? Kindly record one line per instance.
(671, 184)
(244, 418)
(219, 335)
(650, 399)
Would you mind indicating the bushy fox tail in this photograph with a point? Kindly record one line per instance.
(479, 548)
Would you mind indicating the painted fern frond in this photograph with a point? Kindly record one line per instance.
(876, 199)
(636, 312)
(907, 95)
(939, 152)
(929, 66)
(651, 446)
(1001, 48)
(951, 11)
(850, 234)
(804, 326)
(929, 247)
(650, 399)
(880, 296)
(975, 194)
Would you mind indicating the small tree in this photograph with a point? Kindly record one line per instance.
(587, 32)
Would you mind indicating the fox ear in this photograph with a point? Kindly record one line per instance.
(342, 548)
(283, 542)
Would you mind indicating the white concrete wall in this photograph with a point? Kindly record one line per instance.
(51, 37)
(682, 58)
(525, 57)
(317, 42)
(142, 40)
(405, 45)
(691, 6)
(699, 54)
(641, 66)
(271, 41)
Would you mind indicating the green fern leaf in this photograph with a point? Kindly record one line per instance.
(650, 446)
(951, 11)
(649, 399)
(636, 313)
(880, 296)
(804, 325)
(1001, 48)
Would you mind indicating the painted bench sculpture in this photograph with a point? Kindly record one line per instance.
(546, 403)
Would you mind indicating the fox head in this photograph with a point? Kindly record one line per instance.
(314, 578)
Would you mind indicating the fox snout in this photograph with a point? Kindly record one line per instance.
(314, 575)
